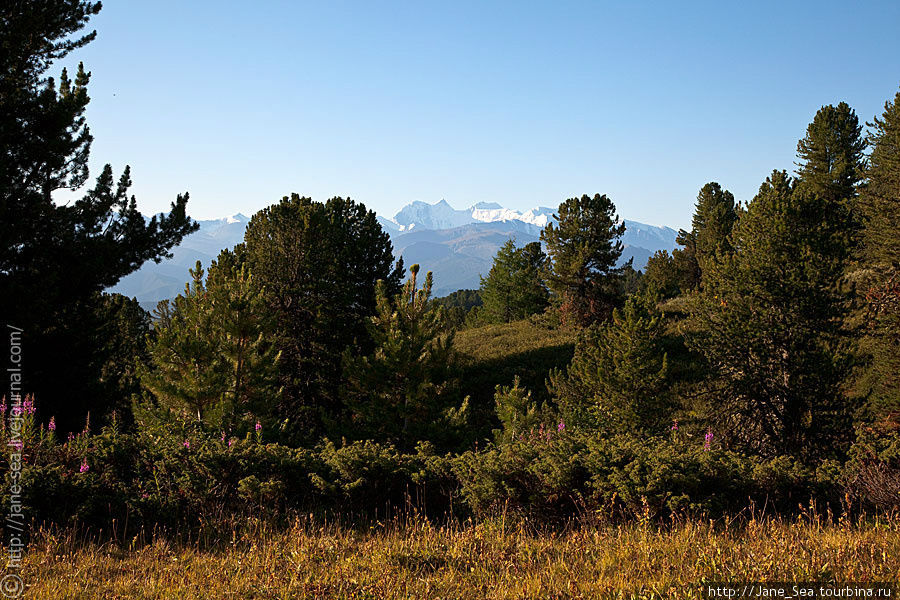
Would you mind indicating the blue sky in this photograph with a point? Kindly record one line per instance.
(519, 103)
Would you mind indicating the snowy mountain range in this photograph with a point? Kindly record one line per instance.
(457, 245)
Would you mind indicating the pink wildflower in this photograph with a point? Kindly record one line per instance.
(674, 425)
(561, 426)
(85, 467)
(187, 443)
(258, 426)
(52, 424)
(28, 405)
(707, 439)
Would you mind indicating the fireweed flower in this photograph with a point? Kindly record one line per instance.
(187, 443)
(561, 426)
(674, 425)
(707, 439)
(258, 426)
(85, 467)
(28, 405)
(52, 424)
(223, 436)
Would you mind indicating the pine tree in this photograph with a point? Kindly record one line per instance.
(768, 323)
(398, 393)
(832, 163)
(186, 372)
(214, 353)
(319, 264)
(249, 349)
(618, 379)
(881, 258)
(517, 412)
(514, 288)
(661, 278)
(584, 248)
(60, 257)
(714, 218)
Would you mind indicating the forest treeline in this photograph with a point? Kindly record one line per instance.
(306, 367)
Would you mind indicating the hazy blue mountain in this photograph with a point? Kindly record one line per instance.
(457, 245)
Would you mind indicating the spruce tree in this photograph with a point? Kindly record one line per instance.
(399, 392)
(618, 379)
(584, 247)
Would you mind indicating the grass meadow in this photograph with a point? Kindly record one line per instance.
(492, 559)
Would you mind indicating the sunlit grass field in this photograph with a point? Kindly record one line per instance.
(418, 559)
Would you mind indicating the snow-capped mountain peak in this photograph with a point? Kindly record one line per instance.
(420, 215)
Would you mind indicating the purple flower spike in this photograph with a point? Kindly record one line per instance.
(561, 426)
(707, 439)
(675, 425)
(258, 426)
(187, 443)
(85, 467)
(52, 424)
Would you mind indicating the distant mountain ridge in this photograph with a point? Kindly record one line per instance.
(458, 246)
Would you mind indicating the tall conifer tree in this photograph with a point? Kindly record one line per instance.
(584, 247)
(768, 323)
(881, 258)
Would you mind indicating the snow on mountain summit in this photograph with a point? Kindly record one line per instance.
(440, 215)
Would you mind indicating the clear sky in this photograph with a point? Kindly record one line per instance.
(521, 103)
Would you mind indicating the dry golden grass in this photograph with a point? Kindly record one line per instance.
(487, 560)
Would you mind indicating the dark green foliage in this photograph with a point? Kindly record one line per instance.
(55, 259)
(213, 355)
(618, 378)
(632, 280)
(458, 306)
(399, 394)
(880, 201)
(660, 276)
(584, 247)
(518, 414)
(881, 198)
(514, 288)
(714, 217)
(121, 330)
(768, 323)
(831, 154)
(551, 474)
(319, 264)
